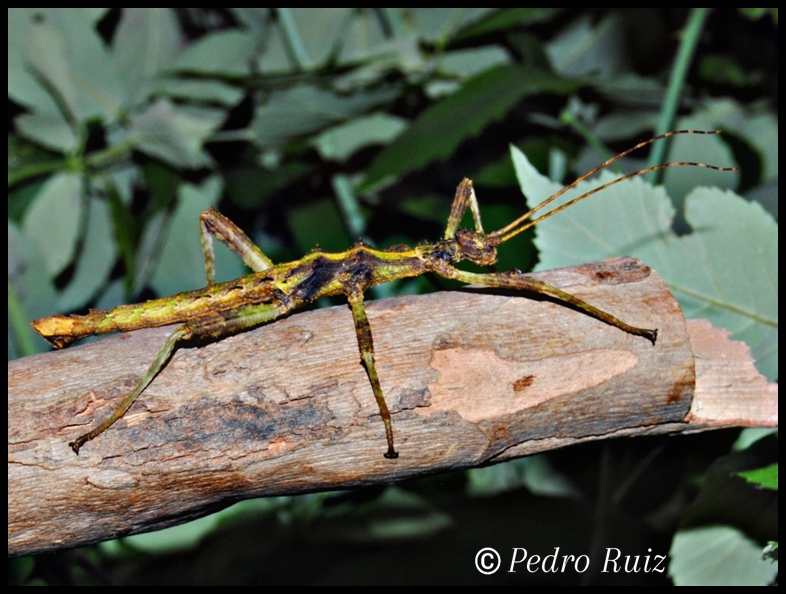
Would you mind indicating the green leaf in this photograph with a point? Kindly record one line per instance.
(590, 48)
(24, 86)
(175, 135)
(146, 42)
(313, 35)
(31, 294)
(53, 221)
(764, 477)
(726, 270)
(307, 109)
(468, 62)
(66, 53)
(758, 13)
(503, 20)
(439, 25)
(439, 130)
(50, 130)
(340, 142)
(718, 556)
(96, 259)
(536, 473)
(366, 39)
(225, 53)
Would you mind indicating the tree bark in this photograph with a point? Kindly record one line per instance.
(470, 378)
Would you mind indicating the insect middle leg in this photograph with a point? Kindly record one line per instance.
(366, 345)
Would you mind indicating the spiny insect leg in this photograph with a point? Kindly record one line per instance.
(366, 345)
(163, 356)
(213, 224)
(521, 282)
(465, 196)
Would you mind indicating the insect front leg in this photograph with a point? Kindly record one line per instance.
(508, 280)
(465, 196)
(366, 345)
(213, 224)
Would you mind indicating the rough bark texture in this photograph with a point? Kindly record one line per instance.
(470, 378)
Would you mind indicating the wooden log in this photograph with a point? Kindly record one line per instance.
(471, 377)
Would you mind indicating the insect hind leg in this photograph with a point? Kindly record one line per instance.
(181, 333)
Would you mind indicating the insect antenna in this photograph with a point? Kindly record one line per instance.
(523, 222)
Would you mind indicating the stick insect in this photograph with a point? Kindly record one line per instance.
(272, 290)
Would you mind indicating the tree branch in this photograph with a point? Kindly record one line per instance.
(470, 378)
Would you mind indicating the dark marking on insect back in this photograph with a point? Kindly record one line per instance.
(320, 272)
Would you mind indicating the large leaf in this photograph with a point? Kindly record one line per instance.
(96, 260)
(53, 221)
(721, 556)
(726, 270)
(307, 109)
(146, 42)
(60, 53)
(175, 134)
